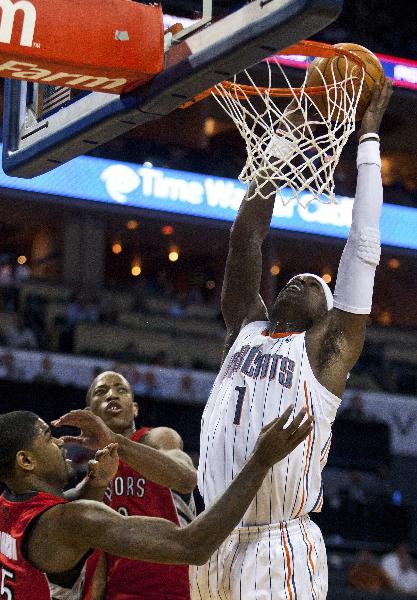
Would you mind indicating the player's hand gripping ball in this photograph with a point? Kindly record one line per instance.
(333, 71)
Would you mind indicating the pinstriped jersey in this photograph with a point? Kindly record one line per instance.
(261, 376)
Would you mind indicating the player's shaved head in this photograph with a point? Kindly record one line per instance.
(101, 376)
(110, 397)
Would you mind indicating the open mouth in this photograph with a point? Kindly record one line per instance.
(113, 408)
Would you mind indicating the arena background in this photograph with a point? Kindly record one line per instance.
(111, 262)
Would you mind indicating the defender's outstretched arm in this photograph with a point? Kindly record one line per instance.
(64, 533)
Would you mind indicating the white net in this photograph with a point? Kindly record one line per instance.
(293, 150)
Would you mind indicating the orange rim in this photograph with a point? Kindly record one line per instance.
(304, 48)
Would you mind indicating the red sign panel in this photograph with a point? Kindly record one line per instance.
(104, 45)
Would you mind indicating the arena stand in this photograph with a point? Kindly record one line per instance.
(178, 335)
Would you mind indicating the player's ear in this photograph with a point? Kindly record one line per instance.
(135, 409)
(25, 461)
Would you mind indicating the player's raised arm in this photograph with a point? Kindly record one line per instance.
(64, 533)
(101, 470)
(343, 331)
(241, 301)
(159, 458)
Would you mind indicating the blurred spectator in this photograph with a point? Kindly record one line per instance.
(178, 307)
(399, 568)
(107, 310)
(354, 506)
(150, 384)
(366, 575)
(46, 375)
(186, 391)
(128, 354)
(160, 359)
(160, 285)
(81, 309)
(129, 371)
(356, 490)
(35, 316)
(21, 335)
(8, 283)
(8, 367)
(382, 487)
(22, 272)
(355, 411)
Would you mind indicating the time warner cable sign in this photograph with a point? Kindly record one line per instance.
(127, 184)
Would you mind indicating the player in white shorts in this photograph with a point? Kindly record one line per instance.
(300, 355)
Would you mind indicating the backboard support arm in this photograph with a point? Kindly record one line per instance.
(206, 18)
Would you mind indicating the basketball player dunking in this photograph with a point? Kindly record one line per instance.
(301, 355)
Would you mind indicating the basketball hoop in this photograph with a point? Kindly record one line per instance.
(296, 147)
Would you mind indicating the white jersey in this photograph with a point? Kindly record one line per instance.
(260, 377)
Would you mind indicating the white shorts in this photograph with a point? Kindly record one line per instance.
(284, 561)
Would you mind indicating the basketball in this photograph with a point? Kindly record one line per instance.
(336, 69)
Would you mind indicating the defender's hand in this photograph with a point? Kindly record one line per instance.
(275, 442)
(103, 467)
(94, 432)
(372, 118)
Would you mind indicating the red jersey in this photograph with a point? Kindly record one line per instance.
(19, 579)
(131, 494)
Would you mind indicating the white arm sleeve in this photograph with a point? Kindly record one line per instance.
(355, 277)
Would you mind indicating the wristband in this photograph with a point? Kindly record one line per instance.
(369, 153)
(368, 136)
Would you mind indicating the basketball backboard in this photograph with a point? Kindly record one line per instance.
(40, 135)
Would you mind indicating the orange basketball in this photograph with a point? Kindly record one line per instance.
(336, 69)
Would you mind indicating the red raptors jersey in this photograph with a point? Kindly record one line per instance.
(131, 494)
(19, 579)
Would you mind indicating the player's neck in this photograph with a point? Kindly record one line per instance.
(289, 317)
(128, 432)
(35, 485)
(286, 326)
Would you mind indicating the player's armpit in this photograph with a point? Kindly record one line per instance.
(351, 328)
(333, 347)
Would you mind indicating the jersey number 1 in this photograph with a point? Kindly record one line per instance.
(241, 391)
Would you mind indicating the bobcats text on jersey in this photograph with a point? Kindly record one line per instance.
(251, 361)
